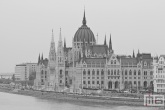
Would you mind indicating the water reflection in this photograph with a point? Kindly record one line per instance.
(20, 102)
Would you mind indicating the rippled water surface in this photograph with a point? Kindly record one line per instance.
(20, 102)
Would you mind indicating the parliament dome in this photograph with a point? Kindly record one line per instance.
(84, 33)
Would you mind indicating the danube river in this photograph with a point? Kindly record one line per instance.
(20, 102)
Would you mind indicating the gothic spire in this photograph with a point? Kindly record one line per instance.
(52, 52)
(64, 44)
(97, 38)
(133, 54)
(60, 39)
(42, 57)
(39, 59)
(110, 43)
(138, 51)
(84, 19)
(52, 36)
(105, 42)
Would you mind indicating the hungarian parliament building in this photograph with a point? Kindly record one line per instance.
(88, 65)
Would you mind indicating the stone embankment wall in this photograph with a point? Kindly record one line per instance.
(77, 98)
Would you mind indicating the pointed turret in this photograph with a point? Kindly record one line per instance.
(42, 57)
(64, 44)
(133, 54)
(60, 43)
(60, 37)
(84, 19)
(60, 50)
(60, 61)
(52, 36)
(105, 42)
(138, 54)
(110, 43)
(39, 59)
(52, 52)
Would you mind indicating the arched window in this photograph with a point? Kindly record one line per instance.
(151, 73)
(42, 72)
(102, 72)
(122, 72)
(139, 84)
(145, 72)
(145, 63)
(134, 72)
(118, 72)
(139, 72)
(45, 74)
(97, 72)
(115, 62)
(115, 72)
(60, 81)
(111, 61)
(60, 72)
(134, 82)
(116, 84)
(130, 72)
(84, 72)
(93, 72)
(145, 84)
(88, 72)
(108, 72)
(125, 72)
(111, 72)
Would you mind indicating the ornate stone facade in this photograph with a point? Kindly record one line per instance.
(87, 65)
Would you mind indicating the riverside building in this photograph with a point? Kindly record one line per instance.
(23, 70)
(88, 65)
(137, 72)
(159, 74)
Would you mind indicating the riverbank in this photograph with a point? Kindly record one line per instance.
(21, 102)
(98, 100)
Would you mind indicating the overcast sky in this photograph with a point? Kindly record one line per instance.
(25, 26)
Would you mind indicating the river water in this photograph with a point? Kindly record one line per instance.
(20, 102)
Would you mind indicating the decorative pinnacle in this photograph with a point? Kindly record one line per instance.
(64, 43)
(133, 54)
(52, 36)
(84, 19)
(105, 42)
(110, 43)
(60, 35)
